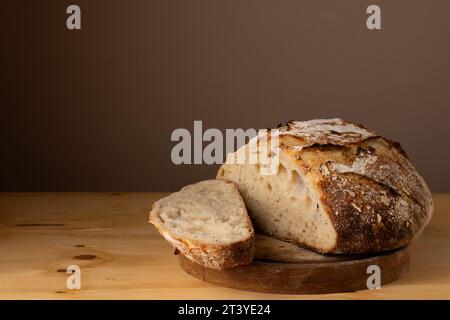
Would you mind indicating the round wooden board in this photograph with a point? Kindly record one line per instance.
(282, 267)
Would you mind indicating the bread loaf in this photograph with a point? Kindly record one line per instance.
(208, 223)
(340, 188)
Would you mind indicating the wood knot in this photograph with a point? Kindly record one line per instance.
(39, 225)
(85, 257)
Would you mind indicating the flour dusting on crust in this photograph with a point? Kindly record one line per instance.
(324, 132)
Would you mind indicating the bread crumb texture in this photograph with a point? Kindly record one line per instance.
(208, 223)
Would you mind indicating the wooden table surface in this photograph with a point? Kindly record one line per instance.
(122, 257)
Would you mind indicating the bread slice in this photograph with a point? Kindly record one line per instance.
(208, 223)
(340, 188)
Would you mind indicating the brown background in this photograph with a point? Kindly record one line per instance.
(92, 110)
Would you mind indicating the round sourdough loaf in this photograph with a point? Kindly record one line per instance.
(340, 188)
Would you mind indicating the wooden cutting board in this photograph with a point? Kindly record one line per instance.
(283, 267)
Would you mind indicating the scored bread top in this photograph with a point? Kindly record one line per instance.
(322, 132)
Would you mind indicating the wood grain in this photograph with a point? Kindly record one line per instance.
(122, 257)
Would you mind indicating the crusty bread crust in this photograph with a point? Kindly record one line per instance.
(379, 200)
(211, 255)
(214, 256)
(372, 194)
